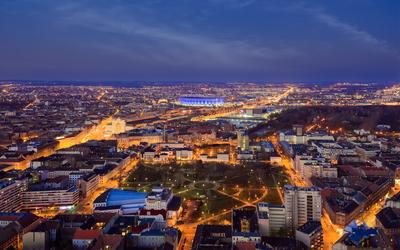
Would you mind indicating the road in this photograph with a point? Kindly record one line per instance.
(368, 216)
(32, 103)
(331, 231)
(85, 206)
(96, 132)
(189, 229)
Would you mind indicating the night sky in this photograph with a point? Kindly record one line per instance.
(201, 40)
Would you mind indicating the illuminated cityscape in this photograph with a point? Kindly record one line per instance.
(300, 172)
(266, 148)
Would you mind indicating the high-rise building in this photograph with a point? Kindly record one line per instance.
(11, 195)
(271, 219)
(302, 204)
(298, 129)
(243, 140)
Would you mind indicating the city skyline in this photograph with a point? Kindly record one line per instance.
(199, 166)
(226, 40)
(200, 125)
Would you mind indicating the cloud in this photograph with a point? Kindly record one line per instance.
(172, 45)
(352, 31)
(200, 39)
(349, 29)
(234, 3)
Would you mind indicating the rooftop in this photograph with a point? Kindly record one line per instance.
(297, 188)
(212, 237)
(389, 217)
(24, 219)
(310, 227)
(114, 197)
(86, 234)
(395, 197)
(175, 203)
(247, 215)
(359, 235)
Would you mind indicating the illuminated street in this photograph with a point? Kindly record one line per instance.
(196, 125)
(331, 232)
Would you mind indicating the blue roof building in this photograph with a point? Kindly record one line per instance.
(128, 201)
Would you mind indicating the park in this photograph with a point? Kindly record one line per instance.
(212, 189)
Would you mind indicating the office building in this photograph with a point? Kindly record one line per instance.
(11, 195)
(302, 204)
(243, 140)
(311, 235)
(61, 198)
(271, 219)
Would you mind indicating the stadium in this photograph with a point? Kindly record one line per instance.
(201, 101)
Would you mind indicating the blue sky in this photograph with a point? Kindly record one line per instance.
(210, 40)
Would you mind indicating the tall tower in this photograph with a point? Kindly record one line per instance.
(298, 129)
(164, 134)
(243, 139)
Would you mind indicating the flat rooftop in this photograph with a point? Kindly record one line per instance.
(113, 197)
(118, 195)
